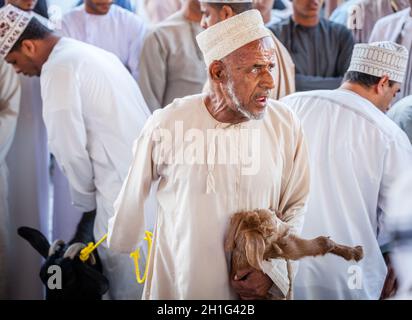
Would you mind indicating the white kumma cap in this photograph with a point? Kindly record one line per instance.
(225, 37)
(380, 59)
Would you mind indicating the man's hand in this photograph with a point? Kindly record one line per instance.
(251, 284)
(391, 283)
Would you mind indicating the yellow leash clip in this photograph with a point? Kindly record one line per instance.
(136, 256)
(86, 252)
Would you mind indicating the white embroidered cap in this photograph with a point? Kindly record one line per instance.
(379, 59)
(223, 38)
(13, 22)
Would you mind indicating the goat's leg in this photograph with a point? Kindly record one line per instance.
(293, 247)
(348, 253)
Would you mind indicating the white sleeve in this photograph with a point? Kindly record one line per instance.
(9, 107)
(127, 226)
(294, 193)
(67, 135)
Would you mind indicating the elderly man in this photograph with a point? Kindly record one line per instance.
(214, 11)
(93, 110)
(356, 153)
(320, 49)
(397, 27)
(110, 27)
(9, 109)
(171, 63)
(203, 180)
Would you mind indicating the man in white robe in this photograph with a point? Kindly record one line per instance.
(214, 11)
(356, 153)
(200, 187)
(171, 63)
(109, 27)
(93, 110)
(397, 27)
(9, 109)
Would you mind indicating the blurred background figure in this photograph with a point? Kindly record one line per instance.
(172, 65)
(110, 27)
(360, 16)
(400, 226)
(320, 49)
(9, 110)
(401, 114)
(29, 180)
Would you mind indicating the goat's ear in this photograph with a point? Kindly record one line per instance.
(38, 241)
(234, 226)
(255, 249)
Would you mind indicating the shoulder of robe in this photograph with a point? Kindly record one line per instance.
(279, 110)
(181, 109)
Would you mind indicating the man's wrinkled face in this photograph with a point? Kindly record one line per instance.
(250, 77)
(307, 8)
(210, 15)
(99, 7)
(26, 5)
(387, 96)
(22, 63)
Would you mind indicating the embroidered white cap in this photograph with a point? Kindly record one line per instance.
(227, 36)
(13, 22)
(379, 59)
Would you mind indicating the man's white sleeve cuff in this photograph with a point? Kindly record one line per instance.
(276, 269)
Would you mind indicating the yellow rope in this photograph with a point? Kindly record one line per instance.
(86, 252)
(136, 256)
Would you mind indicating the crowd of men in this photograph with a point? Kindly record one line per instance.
(171, 116)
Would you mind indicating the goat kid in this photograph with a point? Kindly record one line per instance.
(255, 236)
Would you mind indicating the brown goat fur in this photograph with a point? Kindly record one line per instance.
(255, 236)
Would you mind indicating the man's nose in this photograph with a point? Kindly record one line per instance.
(268, 81)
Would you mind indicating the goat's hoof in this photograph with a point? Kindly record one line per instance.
(358, 253)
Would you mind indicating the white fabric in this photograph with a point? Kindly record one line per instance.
(221, 39)
(379, 59)
(397, 27)
(9, 109)
(196, 201)
(119, 31)
(28, 162)
(93, 110)
(356, 153)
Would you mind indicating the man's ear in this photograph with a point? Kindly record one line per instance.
(383, 82)
(28, 48)
(226, 12)
(217, 71)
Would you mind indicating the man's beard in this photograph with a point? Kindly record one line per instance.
(239, 107)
